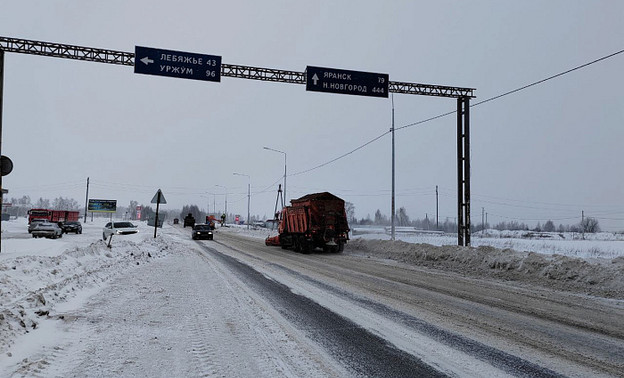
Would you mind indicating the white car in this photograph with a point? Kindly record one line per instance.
(118, 228)
(47, 230)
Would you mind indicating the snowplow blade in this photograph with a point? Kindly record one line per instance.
(272, 240)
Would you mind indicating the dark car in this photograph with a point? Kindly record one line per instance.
(189, 220)
(202, 231)
(68, 227)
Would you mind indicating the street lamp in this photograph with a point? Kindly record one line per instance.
(248, 194)
(226, 213)
(281, 152)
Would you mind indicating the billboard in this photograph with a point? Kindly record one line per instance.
(102, 205)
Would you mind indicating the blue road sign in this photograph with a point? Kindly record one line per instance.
(180, 64)
(332, 80)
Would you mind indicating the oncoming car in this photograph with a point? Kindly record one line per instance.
(202, 231)
(118, 228)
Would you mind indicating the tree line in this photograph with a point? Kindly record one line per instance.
(20, 207)
(588, 224)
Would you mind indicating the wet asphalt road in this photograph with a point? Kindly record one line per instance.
(358, 350)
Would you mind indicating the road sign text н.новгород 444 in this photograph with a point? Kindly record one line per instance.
(332, 80)
(178, 64)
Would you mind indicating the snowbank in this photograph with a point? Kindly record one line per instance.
(600, 245)
(38, 275)
(592, 266)
(600, 277)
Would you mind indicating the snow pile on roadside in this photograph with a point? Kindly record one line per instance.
(600, 277)
(32, 285)
(603, 245)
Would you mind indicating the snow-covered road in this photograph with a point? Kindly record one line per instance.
(171, 306)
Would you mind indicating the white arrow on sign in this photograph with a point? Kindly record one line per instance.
(147, 60)
(315, 79)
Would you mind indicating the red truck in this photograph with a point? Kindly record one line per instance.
(315, 220)
(53, 215)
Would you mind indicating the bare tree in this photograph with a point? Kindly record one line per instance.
(590, 225)
(42, 203)
(549, 226)
(61, 203)
(350, 210)
(402, 217)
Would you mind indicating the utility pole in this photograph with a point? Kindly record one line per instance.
(437, 219)
(392, 206)
(86, 201)
(284, 153)
(583, 223)
(482, 218)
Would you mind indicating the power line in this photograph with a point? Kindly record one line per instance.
(343, 155)
(472, 105)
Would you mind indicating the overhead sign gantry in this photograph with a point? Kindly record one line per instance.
(336, 81)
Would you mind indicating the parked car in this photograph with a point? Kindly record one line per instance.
(118, 228)
(68, 227)
(47, 230)
(202, 231)
(33, 223)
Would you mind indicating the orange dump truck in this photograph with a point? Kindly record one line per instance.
(313, 221)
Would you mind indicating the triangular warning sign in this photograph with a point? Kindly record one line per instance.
(162, 197)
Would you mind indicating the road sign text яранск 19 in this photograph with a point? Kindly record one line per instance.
(180, 64)
(332, 80)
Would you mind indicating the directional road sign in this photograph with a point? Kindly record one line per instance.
(180, 64)
(332, 80)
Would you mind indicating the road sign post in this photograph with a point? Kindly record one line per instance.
(157, 199)
(332, 80)
(185, 65)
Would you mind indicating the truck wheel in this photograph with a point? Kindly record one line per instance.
(340, 247)
(103, 236)
(306, 247)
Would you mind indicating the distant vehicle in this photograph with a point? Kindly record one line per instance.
(202, 231)
(118, 228)
(33, 223)
(75, 227)
(47, 230)
(189, 220)
(53, 215)
(176, 221)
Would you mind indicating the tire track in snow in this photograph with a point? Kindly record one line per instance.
(359, 351)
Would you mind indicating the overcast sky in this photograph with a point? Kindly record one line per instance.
(548, 152)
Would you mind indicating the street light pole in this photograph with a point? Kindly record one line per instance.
(281, 152)
(248, 195)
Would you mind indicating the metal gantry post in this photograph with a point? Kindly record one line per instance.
(463, 171)
(1, 90)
